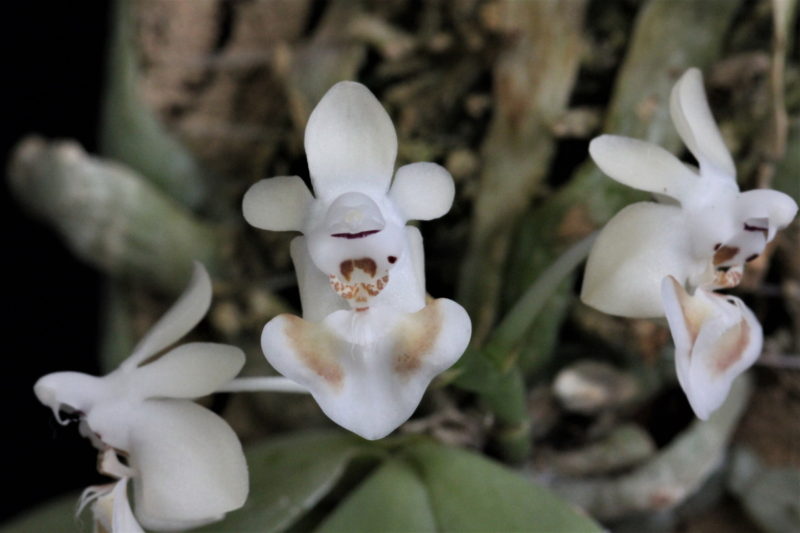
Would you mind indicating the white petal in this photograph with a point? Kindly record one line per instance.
(177, 321)
(190, 468)
(642, 165)
(188, 371)
(716, 339)
(641, 245)
(779, 208)
(277, 204)
(368, 370)
(317, 298)
(350, 142)
(422, 191)
(696, 126)
(746, 244)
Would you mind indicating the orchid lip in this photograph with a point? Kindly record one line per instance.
(359, 235)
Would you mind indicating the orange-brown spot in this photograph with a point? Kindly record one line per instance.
(315, 348)
(417, 334)
(693, 315)
(731, 347)
(346, 268)
(367, 265)
(725, 254)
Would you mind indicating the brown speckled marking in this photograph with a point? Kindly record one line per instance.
(728, 279)
(358, 283)
(725, 253)
(731, 347)
(346, 268)
(313, 345)
(367, 265)
(417, 336)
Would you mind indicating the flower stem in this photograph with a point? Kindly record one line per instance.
(263, 384)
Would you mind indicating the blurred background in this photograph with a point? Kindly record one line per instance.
(197, 100)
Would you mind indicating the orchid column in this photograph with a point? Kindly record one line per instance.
(368, 345)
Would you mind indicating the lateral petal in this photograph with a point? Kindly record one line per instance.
(277, 204)
(189, 465)
(184, 314)
(188, 371)
(698, 129)
(422, 191)
(350, 142)
(716, 338)
(727, 345)
(639, 247)
(642, 165)
(368, 370)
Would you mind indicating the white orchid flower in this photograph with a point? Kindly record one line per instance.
(698, 239)
(367, 346)
(185, 463)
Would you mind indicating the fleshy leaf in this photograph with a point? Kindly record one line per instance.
(189, 371)
(288, 476)
(642, 165)
(641, 245)
(422, 191)
(716, 339)
(392, 499)
(350, 142)
(189, 464)
(184, 314)
(277, 204)
(469, 493)
(698, 129)
(368, 370)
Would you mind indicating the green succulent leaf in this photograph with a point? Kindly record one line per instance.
(288, 476)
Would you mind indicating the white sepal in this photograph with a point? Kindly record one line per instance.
(350, 142)
(716, 339)
(422, 191)
(368, 370)
(698, 129)
(641, 245)
(277, 204)
(189, 464)
(189, 371)
(184, 314)
(642, 165)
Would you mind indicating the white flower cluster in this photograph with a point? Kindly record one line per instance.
(368, 345)
(367, 348)
(667, 258)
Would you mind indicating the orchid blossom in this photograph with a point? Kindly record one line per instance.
(667, 258)
(185, 463)
(368, 345)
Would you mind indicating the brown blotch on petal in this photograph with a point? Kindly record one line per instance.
(315, 348)
(725, 254)
(346, 268)
(416, 338)
(730, 348)
(367, 265)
